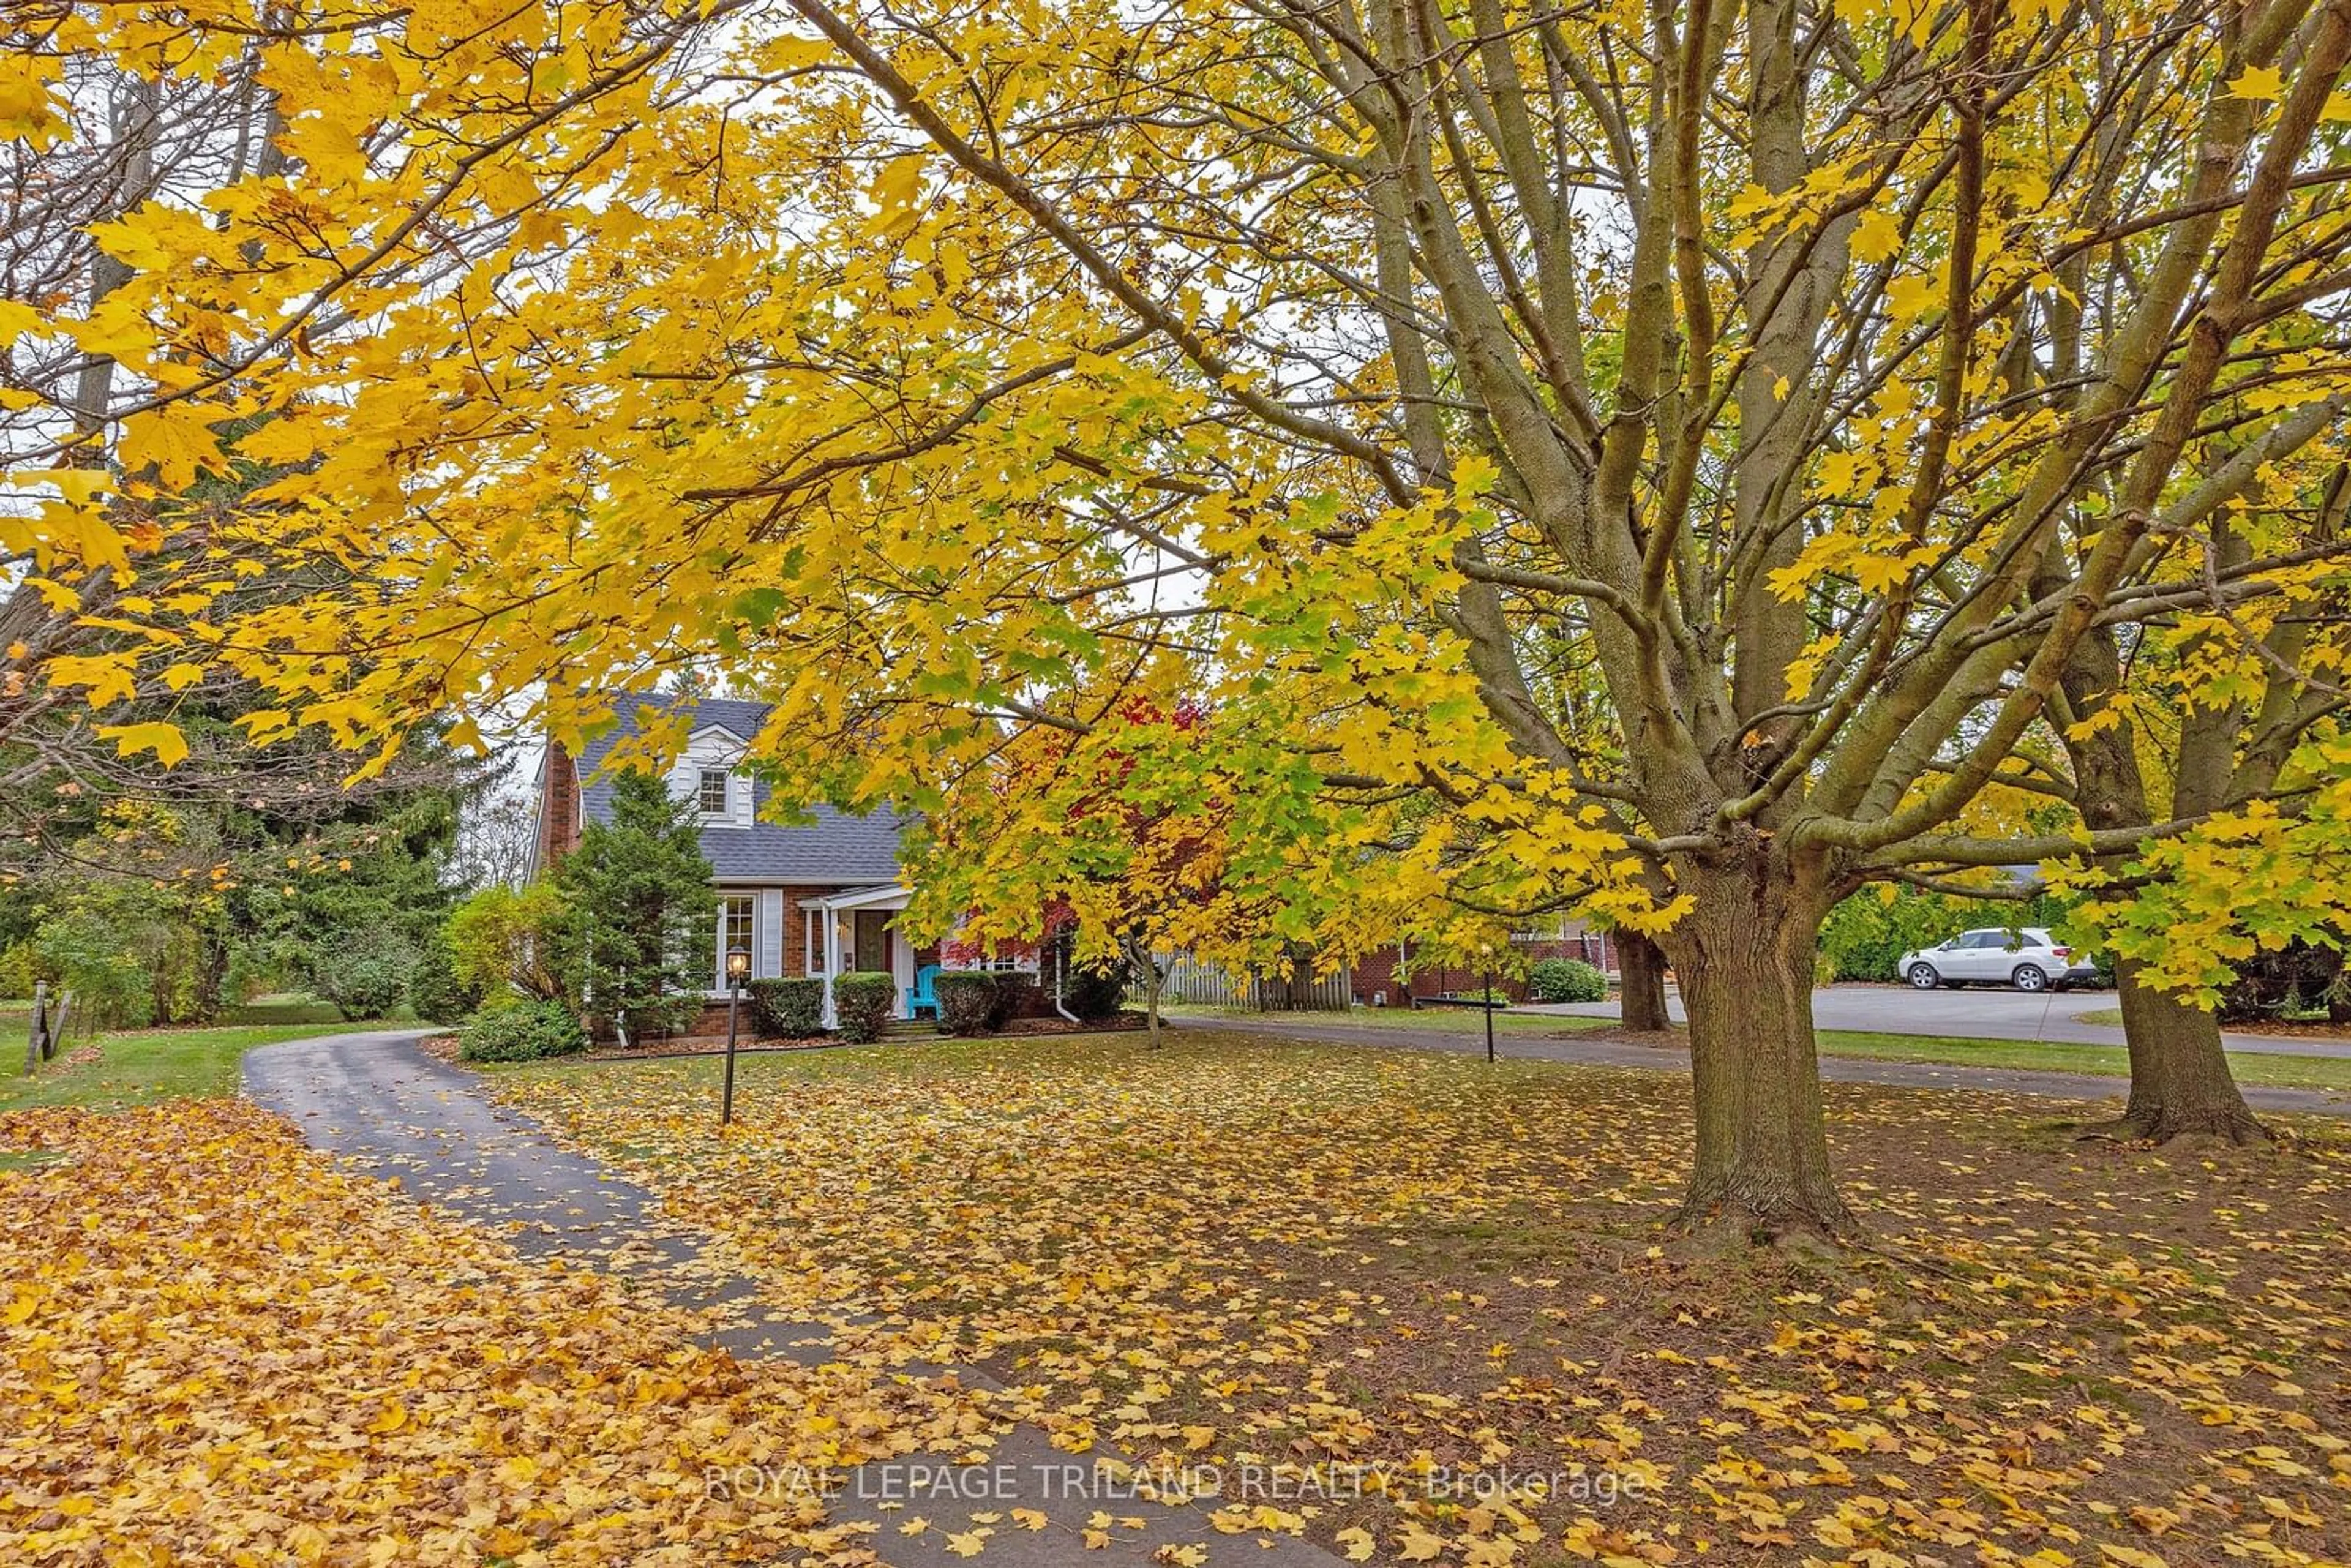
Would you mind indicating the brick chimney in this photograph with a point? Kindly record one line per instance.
(559, 806)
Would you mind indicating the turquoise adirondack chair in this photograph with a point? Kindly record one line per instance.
(919, 996)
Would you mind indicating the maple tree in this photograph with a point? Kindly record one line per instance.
(1815, 385)
(1136, 871)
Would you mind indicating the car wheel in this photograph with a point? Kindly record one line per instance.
(1924, 978)
(2030, 977)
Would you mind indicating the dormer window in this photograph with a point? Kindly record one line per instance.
(712, 792)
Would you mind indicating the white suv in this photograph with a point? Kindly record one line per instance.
(2028, 959)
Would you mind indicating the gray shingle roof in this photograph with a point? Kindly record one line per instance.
(833, 849)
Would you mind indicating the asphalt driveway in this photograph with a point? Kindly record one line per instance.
(1981, 1013)
(387, 1108)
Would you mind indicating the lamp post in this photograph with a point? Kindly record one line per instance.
(1485, 956)
(739, 967)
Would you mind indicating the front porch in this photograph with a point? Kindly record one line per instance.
(856, 929)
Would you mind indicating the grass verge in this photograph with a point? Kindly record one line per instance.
(1445, 1020)
(2269, 1070)
(137, 1067)
(2100, 1060)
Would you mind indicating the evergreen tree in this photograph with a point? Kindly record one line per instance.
(641, 945)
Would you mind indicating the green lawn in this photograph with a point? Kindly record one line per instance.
(2320, 1025)
(287, 1007)
(2105, 1061)
(1454, 1020)
(137, 1066)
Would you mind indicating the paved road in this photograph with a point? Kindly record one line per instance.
(1587, 1053)
(382, 1105)
(1981, 1013)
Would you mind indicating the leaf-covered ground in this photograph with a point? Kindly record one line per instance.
(216, 1348)
(1399, 1280)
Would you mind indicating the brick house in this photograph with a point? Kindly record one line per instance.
(1375, 977)
(816, 898)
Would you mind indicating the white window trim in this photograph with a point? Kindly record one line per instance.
(714, 749)
(750, 942)
(702, 777)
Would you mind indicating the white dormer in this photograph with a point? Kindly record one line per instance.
(708, 773)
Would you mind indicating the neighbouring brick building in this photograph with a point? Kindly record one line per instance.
(1376, 976)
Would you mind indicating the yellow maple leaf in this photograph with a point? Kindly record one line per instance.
(175, 440)
(1877, 236)
(170, 747)
(1418, 1545)
(2260, 83)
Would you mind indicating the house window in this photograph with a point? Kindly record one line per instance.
(713, 792)
(738, 922)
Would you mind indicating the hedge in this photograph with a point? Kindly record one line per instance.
(1095, 995)
(531, 1032)
(862, 1002)
(967, 1000)
(434, 992)
(1566, 980)
(788, 1009)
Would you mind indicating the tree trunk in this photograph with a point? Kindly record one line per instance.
(1641, 972)
(1146, 966)
(2179, 1078)
(1744, 957)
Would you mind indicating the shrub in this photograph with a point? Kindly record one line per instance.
(367, 981)
(531, 1032)
(1095, 995)
(506, 939)
(788, 1009)
(967, 1000)
(861, 1003)
(2281, 982)
(1566, 980)
(17, 974)
(1017, 995)
(435, 991)
(111, 988)
(132, 953)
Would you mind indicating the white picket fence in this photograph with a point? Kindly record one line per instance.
(1191, 982)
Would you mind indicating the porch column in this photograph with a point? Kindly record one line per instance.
(831, 964)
